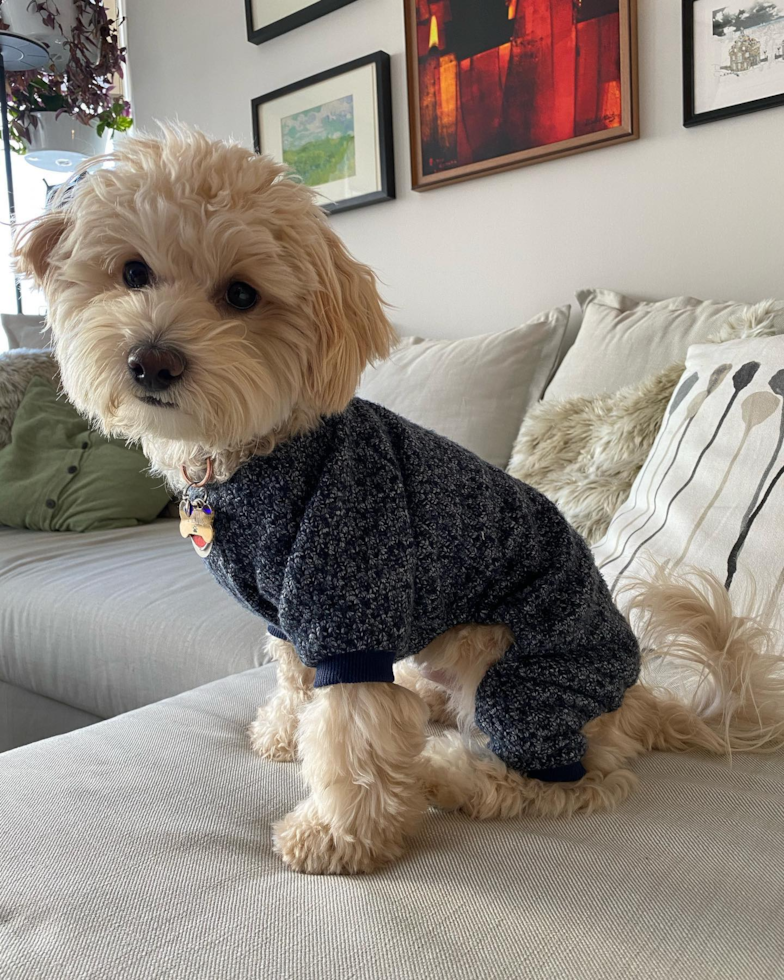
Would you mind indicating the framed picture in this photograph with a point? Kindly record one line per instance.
(335, 131)
(506, 83)
(270, 18)
(733, 58)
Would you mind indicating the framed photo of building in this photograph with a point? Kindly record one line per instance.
(733, 58)
(506, 83)
(334, 130)
(270, 18)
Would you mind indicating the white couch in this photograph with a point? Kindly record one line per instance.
(95, 624)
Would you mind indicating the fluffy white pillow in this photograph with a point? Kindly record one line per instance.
(623, 341)
(711, 493)
(474, 391)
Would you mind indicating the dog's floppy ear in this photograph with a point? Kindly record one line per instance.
(35, 241)
(353, 328)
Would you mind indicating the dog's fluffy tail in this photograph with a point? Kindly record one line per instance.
(717, 675)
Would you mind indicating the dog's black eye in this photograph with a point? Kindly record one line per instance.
(241, 296)
(137, 274)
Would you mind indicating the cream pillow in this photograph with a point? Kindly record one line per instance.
(711, 493)
(474, 391)
(24, 331)
(623, 341)
(585, 453)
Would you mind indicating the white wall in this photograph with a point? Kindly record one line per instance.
(697, 212)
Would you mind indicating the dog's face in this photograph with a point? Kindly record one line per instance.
(197, 295)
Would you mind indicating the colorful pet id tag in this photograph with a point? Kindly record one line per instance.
(196, 518)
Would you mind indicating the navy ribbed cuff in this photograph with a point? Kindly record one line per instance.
(559, 774)
(277, 633)
(357, 667)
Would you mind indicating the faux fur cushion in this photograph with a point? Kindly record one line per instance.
(585, 453)
(17, 369)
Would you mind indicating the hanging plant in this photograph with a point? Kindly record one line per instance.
(85, 88)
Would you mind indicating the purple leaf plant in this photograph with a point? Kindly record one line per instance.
(85, 88)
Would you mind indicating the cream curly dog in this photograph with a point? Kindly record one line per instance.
(202, 305)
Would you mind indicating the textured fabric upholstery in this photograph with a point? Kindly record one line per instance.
(139, 849)
(108, 621)
(26, 717)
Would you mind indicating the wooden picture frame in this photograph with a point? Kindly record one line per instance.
(694, 111)
(445, 69)
(309, 112)
(311, 10)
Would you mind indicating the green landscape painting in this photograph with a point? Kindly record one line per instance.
(319, 143)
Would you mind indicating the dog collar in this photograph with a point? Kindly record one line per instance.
(197, 516)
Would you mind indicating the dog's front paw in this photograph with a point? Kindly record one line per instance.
(308, 844)
(273, 735)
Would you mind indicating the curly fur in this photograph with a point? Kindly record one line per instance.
(585, 453)
(724, 662)
(201, 213)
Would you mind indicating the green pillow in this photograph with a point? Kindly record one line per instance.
(57, 475)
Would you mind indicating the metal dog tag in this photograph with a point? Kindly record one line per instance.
(196, 520)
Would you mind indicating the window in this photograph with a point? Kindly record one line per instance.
(30, 188)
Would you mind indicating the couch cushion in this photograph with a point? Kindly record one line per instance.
(623, 341)
(58, 474)
(585, 453)
(111, 620)
(24, 331)
(474, 391)
(26, 717)
(140, 848)
(710, 493)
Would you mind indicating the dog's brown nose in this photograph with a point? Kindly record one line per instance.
(155, 368)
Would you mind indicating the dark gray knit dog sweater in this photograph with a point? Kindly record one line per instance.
(365, 539)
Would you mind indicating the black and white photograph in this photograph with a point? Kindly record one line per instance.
(733, 58)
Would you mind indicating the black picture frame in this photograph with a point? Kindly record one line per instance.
(258, 35)
(692, 118)
(385, 149)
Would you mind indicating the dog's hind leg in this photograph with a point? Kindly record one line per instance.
(273, 735)
(459, 776)
(460, 658)
(462, 773)
(435, 696)
(361, 748)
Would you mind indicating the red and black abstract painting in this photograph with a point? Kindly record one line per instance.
(500, 83)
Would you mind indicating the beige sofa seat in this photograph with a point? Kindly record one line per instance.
(140, 848)
(109, 621)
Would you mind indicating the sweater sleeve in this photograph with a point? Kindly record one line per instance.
(348, 587)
